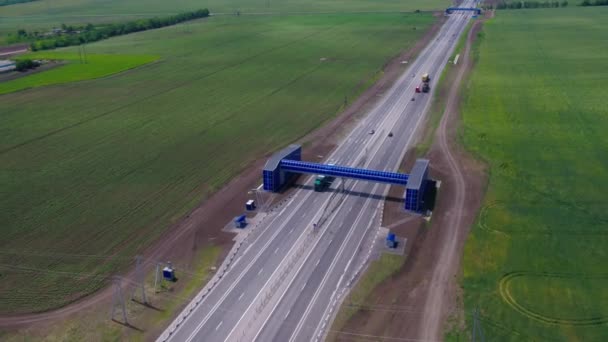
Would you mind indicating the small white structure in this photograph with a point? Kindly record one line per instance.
(7, 65)
(456, 59)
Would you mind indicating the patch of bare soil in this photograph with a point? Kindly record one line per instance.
(16, 74)
(12, 50)
(202, 226)
(416, 302)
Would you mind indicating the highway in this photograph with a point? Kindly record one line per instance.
(288, 277)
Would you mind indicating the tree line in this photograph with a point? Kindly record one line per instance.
(537, 4)
(12, 2)
(69, 35)
(527, 4)
(594, 3)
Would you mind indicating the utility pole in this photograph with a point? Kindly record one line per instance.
(477, 330)
(117, 298)
(139, 279)
(156, 277)
(84, 52)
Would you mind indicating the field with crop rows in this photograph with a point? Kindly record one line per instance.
(45, 14)
(77, 68)
(101, 167)
(535, 263)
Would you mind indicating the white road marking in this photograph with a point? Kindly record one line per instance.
(260, 271)
(241, 296)
(432, 55)
(416, 125)
(219, 325)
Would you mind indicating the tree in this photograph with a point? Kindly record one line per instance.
(564, 3)
(25, 64)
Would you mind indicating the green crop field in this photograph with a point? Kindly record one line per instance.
(76, 69)
(536, 110)
(100, 167)
(44, 14)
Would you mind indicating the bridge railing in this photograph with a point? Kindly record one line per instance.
(343, 171)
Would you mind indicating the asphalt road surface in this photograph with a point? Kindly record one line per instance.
(285, 282)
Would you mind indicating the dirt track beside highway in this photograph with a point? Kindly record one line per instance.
(416, 302)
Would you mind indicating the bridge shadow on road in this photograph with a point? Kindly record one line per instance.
(351, 193)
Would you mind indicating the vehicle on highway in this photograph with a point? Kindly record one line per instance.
(413, 99)
(426, 87)
(425, 77)
(322, 182)
(417, 89)
(372, 132)
(390, 134)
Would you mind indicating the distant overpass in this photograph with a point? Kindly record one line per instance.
(471, 9)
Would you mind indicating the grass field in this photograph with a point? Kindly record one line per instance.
(92, 324)
(101, 167)
(379, 270)
(45, 14)
(535, 263)
(96, 66)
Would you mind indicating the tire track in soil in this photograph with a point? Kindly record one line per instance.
(506, 295)
(449, 258)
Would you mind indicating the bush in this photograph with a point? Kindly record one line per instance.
(26, 64)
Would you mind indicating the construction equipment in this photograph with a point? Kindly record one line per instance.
(425, 83)
(425, 87)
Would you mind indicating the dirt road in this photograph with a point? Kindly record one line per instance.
(448, 262)
(12, 50)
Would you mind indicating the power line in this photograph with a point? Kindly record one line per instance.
(118, 301)
(67, 273)
(152, 262)
(62, 255)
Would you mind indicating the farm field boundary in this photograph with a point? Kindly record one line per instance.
(103, 167)
(535, 112)
(44, 15)
(75, 69)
